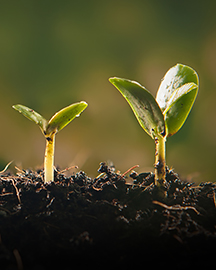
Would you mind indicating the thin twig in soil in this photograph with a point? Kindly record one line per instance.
(19, 170)
(123, 175)
(100, 175)
(214, 198)
(51, 201)
(18, 259)
(69, 168)
(97, 189)
(176, 207)
(5, 194)
(17, 191)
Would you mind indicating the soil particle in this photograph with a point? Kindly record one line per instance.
(104, 221)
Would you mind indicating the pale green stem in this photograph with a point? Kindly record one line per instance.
(160, 161)
(49, 158)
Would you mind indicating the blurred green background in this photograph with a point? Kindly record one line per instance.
(54, 53)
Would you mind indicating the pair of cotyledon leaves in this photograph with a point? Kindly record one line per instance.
(166, 114)
(162, 116)
(58, 121)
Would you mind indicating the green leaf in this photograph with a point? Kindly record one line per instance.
(176, 95)
(64, 117)
(173, 79)
(143, 104)
(179, 106)
(32, 115)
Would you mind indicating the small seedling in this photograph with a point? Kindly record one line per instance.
(50, 128)
(164, 116)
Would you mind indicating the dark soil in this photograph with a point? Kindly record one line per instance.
(78, 221)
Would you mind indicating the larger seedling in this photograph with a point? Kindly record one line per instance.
(164, 116)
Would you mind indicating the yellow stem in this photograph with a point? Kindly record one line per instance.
(160, 161)
(49, 158)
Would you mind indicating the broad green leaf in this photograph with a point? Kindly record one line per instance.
(174, 79)
(143, 104)
(179, 106)
(65, 116)
(32, 115)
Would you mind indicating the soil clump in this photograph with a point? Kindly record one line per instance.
(104, 221)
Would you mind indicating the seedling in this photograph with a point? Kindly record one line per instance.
(50, 128)
(164, 116)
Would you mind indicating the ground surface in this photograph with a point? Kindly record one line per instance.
(104, 221)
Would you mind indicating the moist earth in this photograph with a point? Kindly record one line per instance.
(105, 221)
